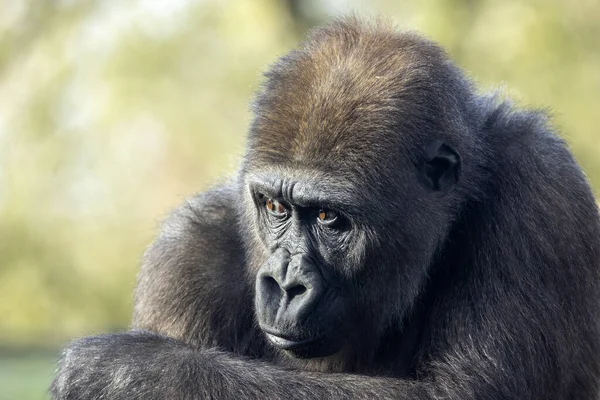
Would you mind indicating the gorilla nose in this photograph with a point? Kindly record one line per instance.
(286, 294)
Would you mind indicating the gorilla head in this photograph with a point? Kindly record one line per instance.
(353, 175)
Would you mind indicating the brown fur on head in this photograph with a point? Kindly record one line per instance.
(355, 90)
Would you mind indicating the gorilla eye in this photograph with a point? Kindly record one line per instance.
(275, 208)
(327, 217)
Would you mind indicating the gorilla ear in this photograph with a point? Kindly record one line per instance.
(441, 168)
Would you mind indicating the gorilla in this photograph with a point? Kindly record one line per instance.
(391, 234)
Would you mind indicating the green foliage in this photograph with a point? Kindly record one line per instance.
(112, 112)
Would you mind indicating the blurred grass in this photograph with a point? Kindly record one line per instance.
(112, 112)
(26, 376)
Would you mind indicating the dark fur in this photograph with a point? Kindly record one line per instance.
(488, 290)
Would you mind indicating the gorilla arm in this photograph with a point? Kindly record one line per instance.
(143, 365)
(192, 285)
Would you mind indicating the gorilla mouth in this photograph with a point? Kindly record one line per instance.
(317, 346)
(285, 343)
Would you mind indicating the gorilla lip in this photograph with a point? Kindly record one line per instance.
(289, 344)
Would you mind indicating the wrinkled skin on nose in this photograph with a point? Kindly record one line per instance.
(288, 289)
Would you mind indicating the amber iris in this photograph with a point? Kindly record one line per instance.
(275, 207)
(327, 215)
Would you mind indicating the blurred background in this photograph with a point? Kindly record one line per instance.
(112, 112)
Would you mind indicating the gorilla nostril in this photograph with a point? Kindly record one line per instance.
(271, 284)
(296, 291)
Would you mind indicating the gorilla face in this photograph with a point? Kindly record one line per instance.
(324, 272)
(303, 298)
